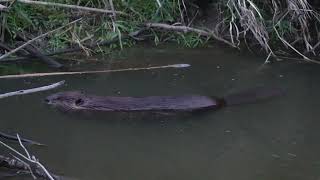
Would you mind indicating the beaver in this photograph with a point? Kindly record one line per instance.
(76, 100)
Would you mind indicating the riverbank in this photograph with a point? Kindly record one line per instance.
(43, 29)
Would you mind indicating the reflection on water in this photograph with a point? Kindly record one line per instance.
(276, 139)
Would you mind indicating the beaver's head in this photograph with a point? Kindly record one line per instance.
(70, 100)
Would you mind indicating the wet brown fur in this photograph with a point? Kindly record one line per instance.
(75, 100)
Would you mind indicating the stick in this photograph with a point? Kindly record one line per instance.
(17, 164)
(299, 59)
(186, 29)
(67, 6)
(63, 51)
(22, 167)
(33, 90)
(92, 72)
(14, 138)
(39, 167)
(37, 53)
(34, 160)
(36, 38)
(70, 50)
(3, 8)
(33, 50)
(91, 45)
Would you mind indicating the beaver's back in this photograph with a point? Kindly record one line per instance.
(151, 103)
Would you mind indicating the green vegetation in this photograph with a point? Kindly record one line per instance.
(289, 26)
(32, 20)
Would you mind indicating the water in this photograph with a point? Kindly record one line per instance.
(277, 139)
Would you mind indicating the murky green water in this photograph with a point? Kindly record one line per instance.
(277, 139)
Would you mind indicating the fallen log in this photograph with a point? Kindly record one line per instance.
(34, 51)
(77, 101)
(37, 53)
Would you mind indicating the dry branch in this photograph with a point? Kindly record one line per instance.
(65, 50)
(186, 29)
(67, 6)
(74, 49)
(246, 18)
(3, 8)
(34, 39)
(93, 72)
(14, 138)
(14, 164)
(33, 90)
(48, 60)
(29, 163)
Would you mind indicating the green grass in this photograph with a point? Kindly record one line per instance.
(94, 27)
(32, 20)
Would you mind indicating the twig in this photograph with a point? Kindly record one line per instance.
(33, 90)
(26, 165)
(186, 29)
(294, 49)
(36, 162)
(70, 50)
(15, 163)
(22, 167)
(112, 8)
(14, 138)
(3, 18)
(67, 6)
(299, 59)
(48, 60)
(159, 3)
(3, 8)
(93, 72)
(37, 52)
(36, 38)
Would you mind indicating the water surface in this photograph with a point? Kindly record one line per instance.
(276, 139)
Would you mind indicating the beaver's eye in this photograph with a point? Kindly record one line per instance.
(79, 101)
(47, 100)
